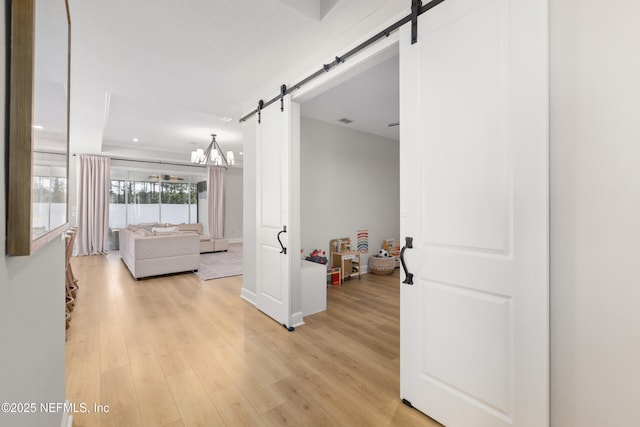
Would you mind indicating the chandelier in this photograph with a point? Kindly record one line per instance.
(214, 154)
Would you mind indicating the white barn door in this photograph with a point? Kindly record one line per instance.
(474, 198)
(274, 135)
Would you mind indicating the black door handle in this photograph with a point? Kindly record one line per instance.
(409, 276)
(284, 230)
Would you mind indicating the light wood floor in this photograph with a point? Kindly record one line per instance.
(176, 351)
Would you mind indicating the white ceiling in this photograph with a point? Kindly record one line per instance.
(166, 72)
(160, 131)
(371, 100)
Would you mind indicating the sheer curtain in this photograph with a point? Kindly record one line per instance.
(215, 195)
(93, 205)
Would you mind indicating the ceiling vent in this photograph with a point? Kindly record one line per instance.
(345, 121)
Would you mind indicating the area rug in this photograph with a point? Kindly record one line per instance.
(221, 264)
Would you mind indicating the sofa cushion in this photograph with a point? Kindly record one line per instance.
(198, 228)
(164, 230)
(141, 231)
(166, 245)
(206, 246)
(221, 245)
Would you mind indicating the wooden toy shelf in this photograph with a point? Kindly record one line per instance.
(346, 259)
(349, 263)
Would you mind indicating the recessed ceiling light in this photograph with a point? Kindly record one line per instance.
(135, 140)
(241, 153)
(37, 127)
(226, 119)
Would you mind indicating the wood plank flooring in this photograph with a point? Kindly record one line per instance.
(177, 351)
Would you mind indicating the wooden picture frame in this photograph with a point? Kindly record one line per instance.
(31, 57)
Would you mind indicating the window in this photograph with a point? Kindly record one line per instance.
(117, 200)
(138, 198)
(178, 203)
(143, 202)
(49, 199)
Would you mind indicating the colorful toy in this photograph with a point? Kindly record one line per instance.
(318, 256)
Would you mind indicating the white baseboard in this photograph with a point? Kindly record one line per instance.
(248, 296)
(297, 319)
(236, 240)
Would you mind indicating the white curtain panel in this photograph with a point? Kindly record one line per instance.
(93, 205)
(215, 196)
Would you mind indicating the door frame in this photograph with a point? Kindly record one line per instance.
(363, 61)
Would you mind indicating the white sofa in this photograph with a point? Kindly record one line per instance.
(207, 243)
(146, 254)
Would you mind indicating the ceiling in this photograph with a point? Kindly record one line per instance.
(371, 101)
(167, 73)
(134, 128)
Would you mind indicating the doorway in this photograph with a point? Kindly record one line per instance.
(349, 164)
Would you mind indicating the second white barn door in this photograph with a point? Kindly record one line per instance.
(474, 198)
(273, 257)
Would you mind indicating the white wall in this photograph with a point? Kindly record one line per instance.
(32, 343)
(350, 180)
(595, 213)
(233, 204)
